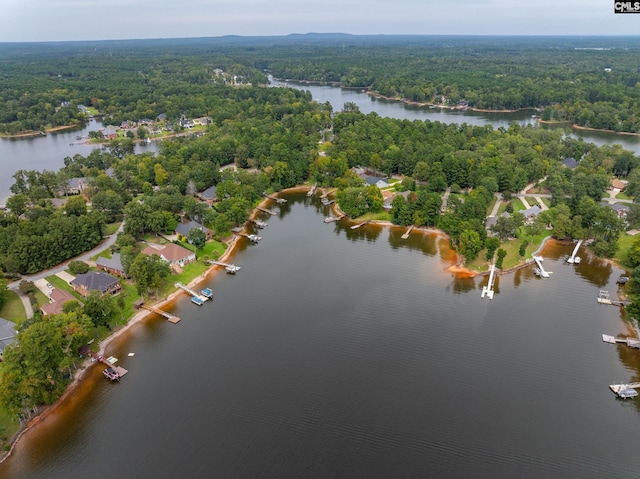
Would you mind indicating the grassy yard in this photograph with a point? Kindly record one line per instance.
(623, 196)
(512, 247)
(189, 273)
(379, 216)
(111, 228)
(13, 309)
(212, 250)
(625, 241)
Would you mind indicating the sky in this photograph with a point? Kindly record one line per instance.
(62, 20)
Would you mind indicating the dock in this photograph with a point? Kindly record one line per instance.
(625, 391)
(575, 259)
(540, 270)
(327, 202)
(406, 235)
(264, 210)
(312, 190)
(170, 317)
(274, 198)
(331, 219)
(604, 298)
(110, 362)
(328, 192)
(193, 294)
(259, 223)
(488, 290)
(230, 267)
(251, 237)
(355, 227)
(630, 342)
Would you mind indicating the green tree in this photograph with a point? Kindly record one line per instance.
(78, 267)
(492, 244)
(501, 254)
(197, 237)
(469, 244)
(99, 308)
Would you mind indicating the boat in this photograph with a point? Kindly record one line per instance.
(626, 392)
(232, 268)
(254, 238)
(111, 374)
(207, 293)
(197, 301)
(623, 279)
(537, 272)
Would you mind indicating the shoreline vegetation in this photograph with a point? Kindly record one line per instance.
(456, 268)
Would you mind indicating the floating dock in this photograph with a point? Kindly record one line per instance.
(406, 235)
(488, 290)
(170, 317)
(274, 198)
(540, 270)
(193, 294)
(604, 298)
(327, 202)
(312, 190)
(575, 259)
(631, 342)
(264, 210)
(328, 192)
(331, 219)
(259, 223)
(207, 292)
(355, 227)
(625, 391)
(251, 237)
(109, 362)
(231, 268)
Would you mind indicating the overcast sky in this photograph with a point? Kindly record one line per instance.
(53, 20)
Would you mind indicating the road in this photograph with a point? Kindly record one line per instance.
(106, 243)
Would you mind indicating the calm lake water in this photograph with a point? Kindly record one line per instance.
(339, 353)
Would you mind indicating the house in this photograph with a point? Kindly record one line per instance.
(621, 210)
(570, 163)
(204, 121)
(175, 255)
(58, 202)
(111, 265)
(96, 281)
(162, 117)
(7, 333)
(75, 186)
(83, 109)
(110, 132)
(57, 298)
(619, 185)
(110, 172)
(184, 228)
(377, 181)
(209, 195)
(531, 214)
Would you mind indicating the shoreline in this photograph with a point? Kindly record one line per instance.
(32, 134)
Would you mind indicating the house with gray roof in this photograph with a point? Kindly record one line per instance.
(111, 265)
(7, 333)
(75, 186)
(209, 195)
(96, 281)
(184, 228)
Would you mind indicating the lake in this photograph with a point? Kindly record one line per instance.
(340, 353)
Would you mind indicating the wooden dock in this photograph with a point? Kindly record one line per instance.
(488, 290)
(328, 192)
(170, 317)
(109, 362)
(625, 391)
(355, 227)
(312, 190)
(259, 223)
(231, 268)
(274, 198)
(331, 219)
(631, 342)
(327, 202)
(406, 235)
(192, 292)
(251, 237)
(604, 298)
(264, 210)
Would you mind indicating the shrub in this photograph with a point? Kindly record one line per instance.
(78, 267)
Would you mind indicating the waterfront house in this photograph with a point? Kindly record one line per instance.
(7, 333)
(175, 255)
(75, 186)
(111, 265)
(96, 281)
(57, 298)
(184, 228)
(570, 163)
(531, 214)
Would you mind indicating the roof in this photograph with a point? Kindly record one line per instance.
(570, 162)
(209, 193)
(58, 297)
(110, 172)
(171, 252)
(535, 210)
(619, 184)
(184, 228)
(76, 183)
(7, 333)
(95, 281)
(619, 207)
(111, 263)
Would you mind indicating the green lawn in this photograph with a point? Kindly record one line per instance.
(189, 273)
(517, 205)
(111, 228)
(212, 250)
(622, 196)
(13, 309)
(379, 216)
(512, 247)
(625, 241)
(60, 283)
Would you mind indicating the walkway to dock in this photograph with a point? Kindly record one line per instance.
(312, 190)
(264, 210)
(274, 198)
(543, 273)
(406, 235)
(331, 219)
(170, 317)
(328, 192)
(259, 223)
(575, 259)
(327, 202)
(631, 342)
(231, 268)
(604, 298)
(251, 237)
(355, 227)
(488, 290)
(192, 292)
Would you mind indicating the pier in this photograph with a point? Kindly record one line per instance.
(355, 227)
(312, 190)
(625, 391)
(406, 235)
(109, 362)
(540, 270)
(488, 289)
(259, 223)
(170, 317)
(328, 192)
(575, 259)
(193, 294)
(327, 202)
(251, 237)
(264, 210)
(604, 298)
(331, 219)
(630, 342)
(274, 198)
(230, 267)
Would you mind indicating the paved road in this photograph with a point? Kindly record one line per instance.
(110, 240)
